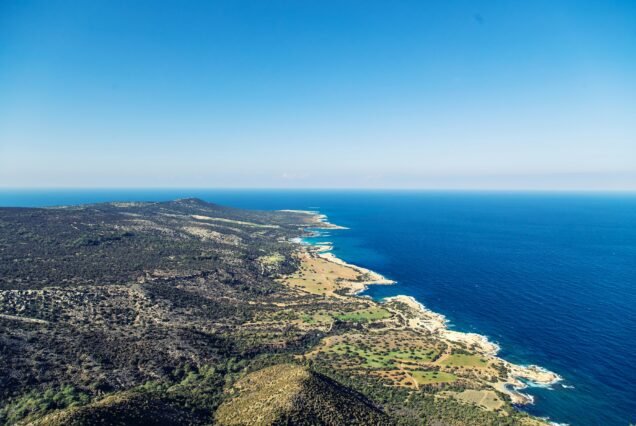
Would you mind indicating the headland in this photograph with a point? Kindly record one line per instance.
(452, 356)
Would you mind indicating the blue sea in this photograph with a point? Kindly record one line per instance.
(550, 277)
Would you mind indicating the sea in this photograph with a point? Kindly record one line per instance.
(549, 276)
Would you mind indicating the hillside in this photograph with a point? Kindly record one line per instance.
(290, 394)
(186, 312)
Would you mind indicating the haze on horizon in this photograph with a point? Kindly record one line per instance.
(329, 94)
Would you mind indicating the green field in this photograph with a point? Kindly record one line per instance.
(417, 355)
(383, 359)
(463, 360)
(371, 358)
(429, 377)
(362, 315)
(317, 318)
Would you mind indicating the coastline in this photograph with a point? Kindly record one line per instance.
(319, 220)
(422, 319)
(520, 376)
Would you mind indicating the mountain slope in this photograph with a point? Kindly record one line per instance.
(290, 394)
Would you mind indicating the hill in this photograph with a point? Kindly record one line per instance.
(124, 408)
(290, 394)
(186, 312)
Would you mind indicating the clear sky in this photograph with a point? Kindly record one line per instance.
(446, 94)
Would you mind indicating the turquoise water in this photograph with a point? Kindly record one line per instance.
(550, 277)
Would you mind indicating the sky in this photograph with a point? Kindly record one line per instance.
(318, 94)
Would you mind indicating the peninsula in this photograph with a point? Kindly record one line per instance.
(186, 312)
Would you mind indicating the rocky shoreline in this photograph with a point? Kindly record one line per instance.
(519, 375)
(424, 320)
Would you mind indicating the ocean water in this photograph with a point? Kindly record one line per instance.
(550, 277)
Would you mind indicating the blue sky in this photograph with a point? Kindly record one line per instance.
(394, 94)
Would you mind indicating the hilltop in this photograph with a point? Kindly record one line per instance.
(290, 394)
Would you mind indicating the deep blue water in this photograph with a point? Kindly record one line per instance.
(550, 277)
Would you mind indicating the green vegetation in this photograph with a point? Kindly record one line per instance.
(370, 314)
(487, 399)
(369, 357)
(464, 360)
(272, 260)
(426, 408)
(317, 318)
(375, 358)
(428, 377)
(37, 403)
(177, 313)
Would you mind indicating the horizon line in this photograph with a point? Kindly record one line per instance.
(247, 188)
